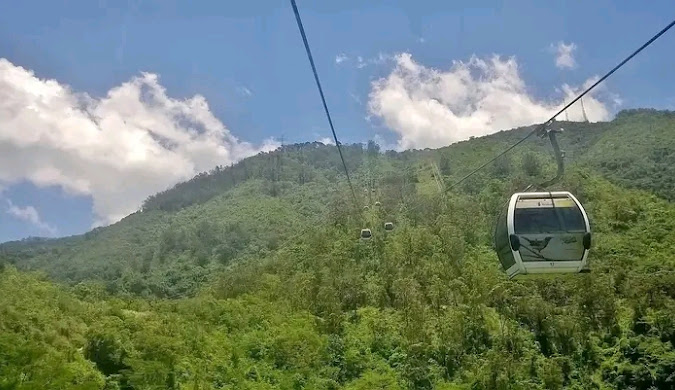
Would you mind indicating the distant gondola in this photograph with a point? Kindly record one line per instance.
(543, 232)
(366, 234)
(388, 226)
(378, 204)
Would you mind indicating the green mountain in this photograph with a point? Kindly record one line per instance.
(252, 276)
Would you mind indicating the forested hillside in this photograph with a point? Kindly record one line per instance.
(252, 276)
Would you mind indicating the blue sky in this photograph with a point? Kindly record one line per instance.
(246, 59)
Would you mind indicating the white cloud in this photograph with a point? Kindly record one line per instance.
(29, 214)
(564, 55)
(596, 110)
(340, 58)
(379, 59)
(327, 141)
(382, 58)
(360, 62)
(427, 107)
(119, 149)
(245, 91)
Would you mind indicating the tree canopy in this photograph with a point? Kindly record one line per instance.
(253, 277)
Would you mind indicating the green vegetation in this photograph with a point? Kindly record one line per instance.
(640, 151)
(252, 277)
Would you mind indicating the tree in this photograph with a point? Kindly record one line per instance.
(530, 165)
(445, 165)
(502, 166)
(373, 149)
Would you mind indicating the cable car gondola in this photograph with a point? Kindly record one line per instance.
(388, 226)
(543, 232)
(366, 234)
(378, 203)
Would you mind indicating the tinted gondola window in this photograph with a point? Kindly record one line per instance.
(538, 216)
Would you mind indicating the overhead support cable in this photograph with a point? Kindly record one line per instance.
(541, 127)
(323, 100)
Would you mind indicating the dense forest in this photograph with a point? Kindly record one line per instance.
(252, 276)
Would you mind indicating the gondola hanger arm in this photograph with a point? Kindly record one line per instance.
(550, 130)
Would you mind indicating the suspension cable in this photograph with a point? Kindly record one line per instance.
(540, 127)
(323, 100)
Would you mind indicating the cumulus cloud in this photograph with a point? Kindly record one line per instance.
(427, 107)
(29, 214)
(119, 149)
(564, 55)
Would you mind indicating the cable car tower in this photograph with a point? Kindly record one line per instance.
(583, 110)
(436, 173)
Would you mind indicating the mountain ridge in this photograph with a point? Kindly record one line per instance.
(300, 180)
